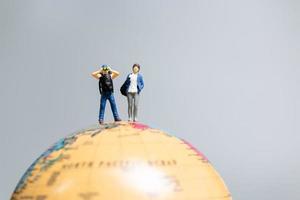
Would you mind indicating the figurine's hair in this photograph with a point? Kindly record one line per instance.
(136, 65)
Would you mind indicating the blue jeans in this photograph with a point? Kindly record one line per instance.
(110, 97)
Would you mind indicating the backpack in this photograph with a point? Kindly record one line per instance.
(125, 86)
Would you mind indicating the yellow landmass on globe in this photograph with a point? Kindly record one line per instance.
(121, 161)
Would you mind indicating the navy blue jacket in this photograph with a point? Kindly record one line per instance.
(140, 83)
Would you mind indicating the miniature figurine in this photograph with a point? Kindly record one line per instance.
(131, 88)
(105, 76)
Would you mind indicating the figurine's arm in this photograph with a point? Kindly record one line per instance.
(142, 82)
(114, 74)
(96, 74)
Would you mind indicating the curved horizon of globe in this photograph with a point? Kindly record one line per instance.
(62, 143)
(58, 157)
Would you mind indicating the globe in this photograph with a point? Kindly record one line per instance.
(121, 161)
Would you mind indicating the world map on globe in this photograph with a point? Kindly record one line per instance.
(121, 161)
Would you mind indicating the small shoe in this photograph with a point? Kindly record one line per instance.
(130, 119)
(135, 119)
(100, 122)
(118, 119)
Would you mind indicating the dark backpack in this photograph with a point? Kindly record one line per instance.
(125, 86)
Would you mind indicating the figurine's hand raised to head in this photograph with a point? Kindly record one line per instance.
(97, 74)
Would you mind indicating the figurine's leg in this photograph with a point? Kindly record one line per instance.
(136, 104)
(102, 107)
(130, 107)
(113, 107)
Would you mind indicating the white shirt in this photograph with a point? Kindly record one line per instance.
(133, 83)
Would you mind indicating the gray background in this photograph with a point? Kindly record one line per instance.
(223, 75)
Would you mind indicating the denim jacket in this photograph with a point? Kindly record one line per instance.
(140, 82)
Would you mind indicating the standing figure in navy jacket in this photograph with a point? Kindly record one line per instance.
(132, 88)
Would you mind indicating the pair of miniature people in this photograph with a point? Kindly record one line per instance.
(131, 88)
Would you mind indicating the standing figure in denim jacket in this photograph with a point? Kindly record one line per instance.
(106, 88)
(131, 88)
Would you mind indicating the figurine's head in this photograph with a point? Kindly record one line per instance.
(136, 68)
(104, 69)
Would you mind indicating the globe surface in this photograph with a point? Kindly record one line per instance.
(121, 161)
